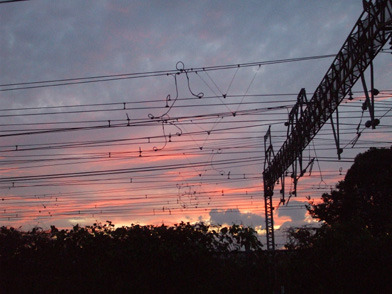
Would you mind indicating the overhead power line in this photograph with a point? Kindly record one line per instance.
(126, 76)
(10, 1)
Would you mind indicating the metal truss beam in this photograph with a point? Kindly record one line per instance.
(369, 35)
(367, 38)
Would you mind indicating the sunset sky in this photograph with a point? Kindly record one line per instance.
(154, 112)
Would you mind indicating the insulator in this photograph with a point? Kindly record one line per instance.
(375, 92)
(375, 122)
(368, 124)
(350, 97)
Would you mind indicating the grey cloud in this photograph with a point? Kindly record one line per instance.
(295, 210)
(235, 216)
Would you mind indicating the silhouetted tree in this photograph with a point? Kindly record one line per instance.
(351, 251)
(364, 198)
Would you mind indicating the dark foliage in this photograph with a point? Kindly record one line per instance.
(183, 258)
(352, 251)
(364, 198)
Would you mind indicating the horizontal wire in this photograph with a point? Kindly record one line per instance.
(127, 76)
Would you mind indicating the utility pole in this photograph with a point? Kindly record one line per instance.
(369, 35)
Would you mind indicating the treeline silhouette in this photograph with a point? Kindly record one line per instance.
(191, 258)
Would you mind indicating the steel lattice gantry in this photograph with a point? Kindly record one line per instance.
(369, 35)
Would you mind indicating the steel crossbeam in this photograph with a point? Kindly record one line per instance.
(369, 35)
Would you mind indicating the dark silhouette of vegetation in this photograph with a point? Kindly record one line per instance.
(352, 250)
(184, 258)
(364, 198)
